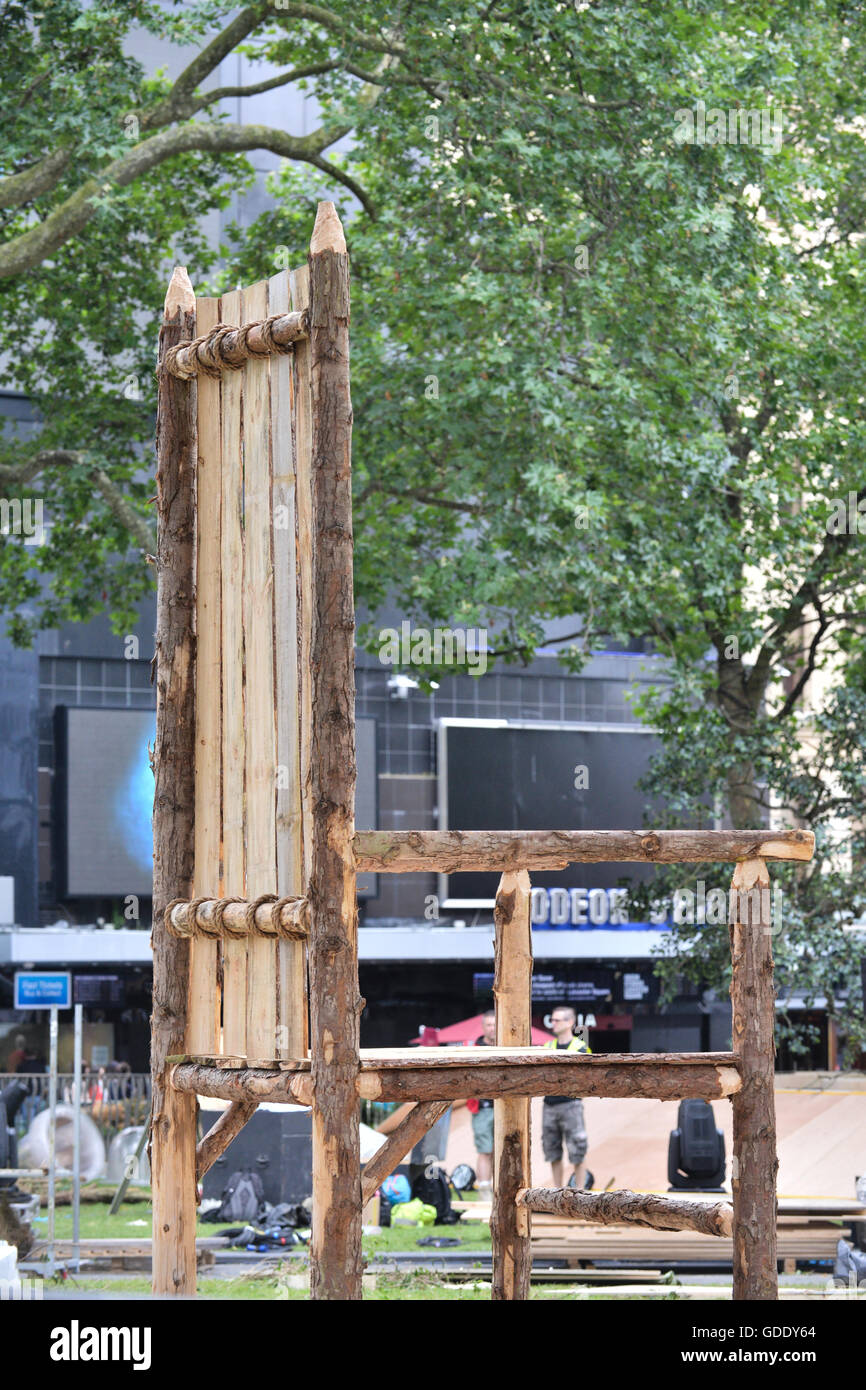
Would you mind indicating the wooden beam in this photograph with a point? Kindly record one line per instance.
(221, 1134)
(460, 851)
(218, 917)
(512, 991)
(754, 1164)
(172, 1144)
(242, 1084)
(412, 1127)
(645, 1076)
(657, 1080)
(632, 1208)
(335, 1003)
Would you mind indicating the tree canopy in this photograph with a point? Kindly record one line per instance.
(600, 368)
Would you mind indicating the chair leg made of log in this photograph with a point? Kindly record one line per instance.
(512, 989)
(754, 1163)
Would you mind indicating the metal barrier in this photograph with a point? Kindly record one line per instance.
(113, 1101)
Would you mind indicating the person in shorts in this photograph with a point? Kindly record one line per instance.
(482, 1111)
(563, 1124)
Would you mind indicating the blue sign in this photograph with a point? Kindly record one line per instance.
(43, 989)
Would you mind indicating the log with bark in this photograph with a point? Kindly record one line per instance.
(335, 1002)
(172, 1146)
(461, 851)
(633, 1208)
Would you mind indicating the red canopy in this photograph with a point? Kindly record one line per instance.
(467, 1031)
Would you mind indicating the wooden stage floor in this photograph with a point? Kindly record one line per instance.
(821, 1121)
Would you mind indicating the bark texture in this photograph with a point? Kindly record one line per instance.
(242, 1083)
(172, 1146)
(512, 990)
(755, 1163)
(335, 1004)
(656, 1080)
(221, 1134)
(453, 851)
(633, 1208)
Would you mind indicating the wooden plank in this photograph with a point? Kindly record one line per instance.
(172, 1149)
(418, 1058)
(335, 1002)
(234, 953)
(291, 955)
(302, 431)
(481, 1059)
(512, 991)
(203, 1026)
(260, 772)
(754, 1163)
(453, 851)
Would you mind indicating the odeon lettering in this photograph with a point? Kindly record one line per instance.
(587, 907)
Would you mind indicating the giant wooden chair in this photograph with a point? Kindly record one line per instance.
(255, 855)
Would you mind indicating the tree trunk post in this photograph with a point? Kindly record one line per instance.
(335, 1003)
(754, 1163)
(173, 1123)
(512, 989)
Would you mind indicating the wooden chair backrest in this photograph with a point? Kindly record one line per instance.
(254, 586)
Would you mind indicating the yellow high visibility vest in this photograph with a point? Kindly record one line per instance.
(576, 1045)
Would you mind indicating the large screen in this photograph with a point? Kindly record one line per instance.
(498, 775)
(105, 796)
(105, 800)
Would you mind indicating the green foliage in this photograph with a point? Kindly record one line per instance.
(596, 371)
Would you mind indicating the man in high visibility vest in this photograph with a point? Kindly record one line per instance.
(563, 1120)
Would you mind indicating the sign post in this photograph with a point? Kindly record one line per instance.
(47, 989)
(52, 1137)
(76, 1131)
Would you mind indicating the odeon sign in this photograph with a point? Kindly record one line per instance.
(587, 908)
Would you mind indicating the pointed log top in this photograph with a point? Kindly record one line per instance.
(180, 293)
(328, 231)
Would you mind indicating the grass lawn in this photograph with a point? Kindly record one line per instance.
(133, 1220)
(285, 1284)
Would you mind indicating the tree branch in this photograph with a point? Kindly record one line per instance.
(30, 183)
(319, 15)
(832, 548)
(19, 475)
(122, 511)
(203, 65)
(256, 88)
(29, 249)
(427, 499)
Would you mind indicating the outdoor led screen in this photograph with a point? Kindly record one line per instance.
(518, 776)
(105, 800)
